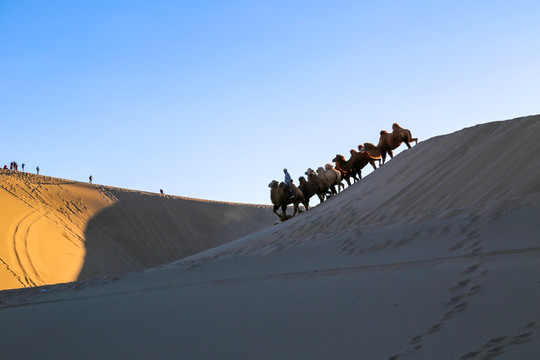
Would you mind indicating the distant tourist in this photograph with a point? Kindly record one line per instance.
(37, 169)
(161, 191)
(22, 167)
(90, 178)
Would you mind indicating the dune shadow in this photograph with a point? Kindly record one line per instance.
(145, 230)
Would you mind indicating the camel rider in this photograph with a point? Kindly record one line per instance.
(288, 183)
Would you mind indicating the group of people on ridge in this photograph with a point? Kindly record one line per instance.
(14, 166)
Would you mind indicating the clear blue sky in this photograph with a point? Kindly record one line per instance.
(212, 99)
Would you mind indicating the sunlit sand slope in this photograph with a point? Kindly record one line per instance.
(53, 230)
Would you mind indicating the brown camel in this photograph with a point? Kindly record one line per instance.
(309, 187)
(372, 150)
(280, 198)
(344, 176)
(346, 167)
(323, 190)
(354, 166)
(390, 141)
(360, 159)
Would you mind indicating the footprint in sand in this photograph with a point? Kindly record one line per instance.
(521, 339)
(497, 346)
(453, 301)
(474, 290)
(415, 340)
(471, 269)
(460, 285)
(435, 328)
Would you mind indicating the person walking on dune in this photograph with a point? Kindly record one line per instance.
(90, 178)
(37, 169)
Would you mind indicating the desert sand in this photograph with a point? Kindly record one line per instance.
(54, 230)
(435, 255)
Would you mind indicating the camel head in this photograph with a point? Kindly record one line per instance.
(320, 169)
(309, 171)
(361, 147)
(273, 184)
(339, 158)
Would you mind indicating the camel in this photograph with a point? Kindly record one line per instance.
(344, 176)
(323, 189)
(346, 168)
(280, 198)
(330, 177)
(391, 141)
(331, 170)
(360, 159)
(309, 187)
(355, 164)
(372, 150)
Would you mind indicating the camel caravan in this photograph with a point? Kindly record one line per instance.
(326, 181)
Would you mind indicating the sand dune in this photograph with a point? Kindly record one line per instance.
(433, 256)
(54, 230)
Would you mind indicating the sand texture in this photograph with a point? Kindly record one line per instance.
(436, 255)
(53, 230)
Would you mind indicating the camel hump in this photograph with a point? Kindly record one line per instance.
(369, 145)
(395, 126)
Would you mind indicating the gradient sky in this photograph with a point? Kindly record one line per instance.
(212, 99)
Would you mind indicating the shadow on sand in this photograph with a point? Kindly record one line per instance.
(145, 230)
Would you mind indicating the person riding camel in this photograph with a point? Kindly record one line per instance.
(288, 183)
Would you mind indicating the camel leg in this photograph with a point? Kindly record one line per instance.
(333, 190)
(298, 205)
(275, 211)
(391, 153)
(410, 139)
(295, 207)
(407, 143)
(373, 164)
